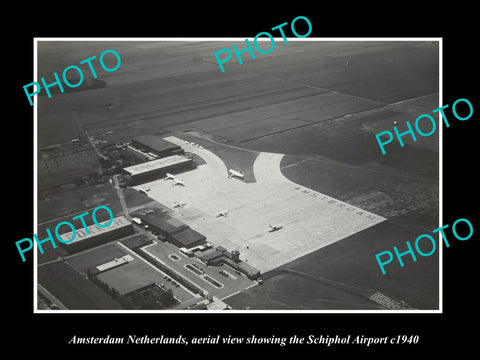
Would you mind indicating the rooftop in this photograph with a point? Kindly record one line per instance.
(163, 222)
(248, 269)
(114, 263)
(188, 237)
(156, 164)
(94, 230)
(155, 143)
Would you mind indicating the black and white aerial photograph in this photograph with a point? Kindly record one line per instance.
(243, 181)
(219, 179)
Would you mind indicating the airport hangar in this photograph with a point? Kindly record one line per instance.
(156, 145)
(175, 231)
(154, 169)
(96, 235)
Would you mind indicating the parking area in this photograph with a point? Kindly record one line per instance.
(220, 281)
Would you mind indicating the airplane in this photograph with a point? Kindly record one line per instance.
(273, 228)
(178, 182)
(223, 213)
(169, 176)
(235, 173)
(179, 204)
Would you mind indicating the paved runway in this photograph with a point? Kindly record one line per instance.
(310, 219)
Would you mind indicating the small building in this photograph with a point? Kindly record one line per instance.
(210, 257)
(163, 224)
(221, 249)
(186, 251)
(95, 270)
(250, 271)
(211, 303)
(137, 221)
(220, 256)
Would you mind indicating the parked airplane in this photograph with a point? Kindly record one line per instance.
(223, 213)
(235, 173)
(179, 204)
(178, 182)
(273, 228)
(169, 177)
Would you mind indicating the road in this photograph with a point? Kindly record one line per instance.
(121, 198)
(52, 298)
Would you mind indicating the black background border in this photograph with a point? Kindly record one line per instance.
(50, 333)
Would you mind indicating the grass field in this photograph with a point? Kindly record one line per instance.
(136, 274)
(133, 198)
(53, 170)
(129, 277)
(99, 256)
(287, 292)
(65, 200)
(74, 290)
(352, 262)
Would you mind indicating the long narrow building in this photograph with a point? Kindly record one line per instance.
(96, 235)
(155, 169)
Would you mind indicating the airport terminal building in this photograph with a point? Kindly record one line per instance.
(96, 235)
(220, 256)
(155, 169)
